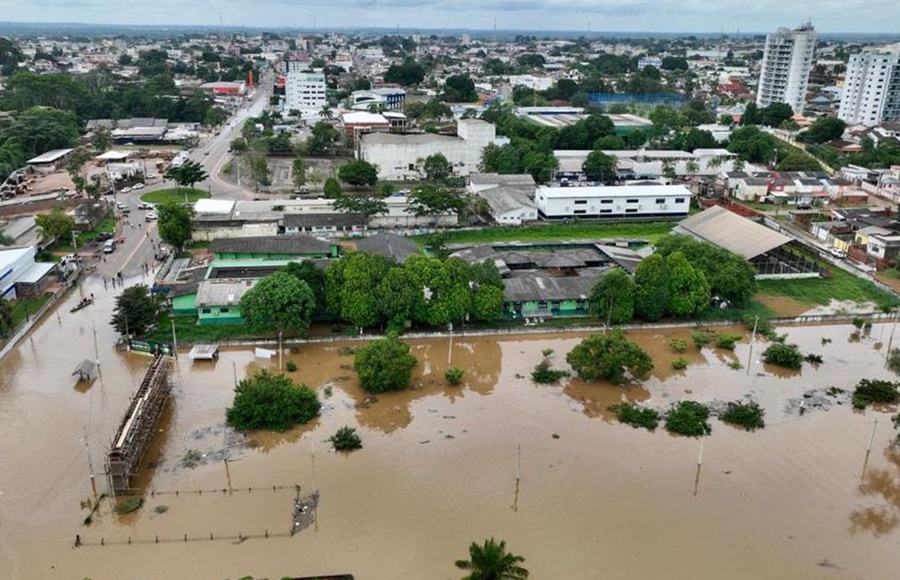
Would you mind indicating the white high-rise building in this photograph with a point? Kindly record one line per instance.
(871, 88)
(304, 91)
(785, 67)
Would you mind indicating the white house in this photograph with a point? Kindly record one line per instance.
(608, 202)
(18, 268)
(398, 156)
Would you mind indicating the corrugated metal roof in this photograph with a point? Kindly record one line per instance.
(736, 234)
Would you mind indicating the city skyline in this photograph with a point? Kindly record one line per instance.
(673, 16)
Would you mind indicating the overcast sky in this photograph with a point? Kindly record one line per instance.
(596, 15)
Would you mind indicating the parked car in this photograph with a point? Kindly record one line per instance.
(137, 186)
(126, 190)
(150, 216)
(838, 253)
(109, 247)
(145, 205)
(103, 236)
(121, 205)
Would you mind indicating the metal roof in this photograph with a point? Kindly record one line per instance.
(542, 287)
(320, 220)
(390, 245)
(49, 156)
(222, 292)
(736, 234)
(298, 245)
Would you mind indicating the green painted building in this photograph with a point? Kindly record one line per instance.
(288, 247)
(540, 295)
(218, 301)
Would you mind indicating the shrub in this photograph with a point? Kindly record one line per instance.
(545, 375)
(858, 322)
(747, 415)
(893, 360)
(454, 375)
(547, 352)
(678, 344)
(727, 341)
(763, 327)
(384, 365)
(784, 355)
(636, 416)
(608, 356)
(679, 364)
(870, 391)
(346, 439)
(327, 391)
(814, 359)
(702, 338)
(272, 402)
(735, 365)
(688, 418)
(291, 366)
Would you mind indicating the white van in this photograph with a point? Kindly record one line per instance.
(109, 246)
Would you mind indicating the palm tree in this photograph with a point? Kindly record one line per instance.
(492, 562)
(326, 112)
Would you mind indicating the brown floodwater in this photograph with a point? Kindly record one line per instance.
(799, 499)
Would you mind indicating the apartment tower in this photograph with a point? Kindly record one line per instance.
(871, 88)
(785, 67)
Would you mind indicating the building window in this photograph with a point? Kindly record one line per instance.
(205, 311)
(223, 310)
(660, 200)
(580, 211)
(632, 201)
(606, 201)
(605, 211)
(580, 202)
(680, 200)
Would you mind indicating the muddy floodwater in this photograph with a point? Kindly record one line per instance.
(596, 499)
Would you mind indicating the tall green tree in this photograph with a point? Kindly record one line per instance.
(384, 365)
(56, 224)
(281, 302)
(491, 561)
(437, 202)
(175, 222)
(314, 277)
(298, 172)
(359, 173)
(599, 166)
(459, 89)
(612, 298)
(332, 188)
(652, 294)
(437, 167)
(397, 297)
(609, 356)
(40, 129)
(135, 311)
(688, 289)
(187, 174)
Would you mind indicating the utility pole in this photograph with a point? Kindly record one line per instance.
(752, 340)
(174, 340)
(96, 348)
(280, 351)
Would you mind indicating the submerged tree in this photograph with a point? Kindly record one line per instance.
(491, 561)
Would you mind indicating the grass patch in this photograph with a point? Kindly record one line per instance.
(26, 308)
(180, 195)
(131, 504)
(688, 418)
(636, 416)
(840, 286)
(650, 231)
(747, 415)
(187, 330)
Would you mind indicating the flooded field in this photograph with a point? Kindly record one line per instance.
(438, 468)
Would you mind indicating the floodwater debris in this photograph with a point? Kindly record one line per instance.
(304, 512)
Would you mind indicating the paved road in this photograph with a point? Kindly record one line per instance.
(140, 238)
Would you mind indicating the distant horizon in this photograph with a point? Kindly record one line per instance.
(76, 26)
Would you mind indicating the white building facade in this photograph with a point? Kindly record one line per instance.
(787, 60)
(399, 156)
(871, 88)
(613, 202)
(304, 91)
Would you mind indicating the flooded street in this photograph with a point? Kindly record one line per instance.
(438, 467)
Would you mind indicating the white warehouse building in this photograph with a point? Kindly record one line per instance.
(613, 201)
(399, 155)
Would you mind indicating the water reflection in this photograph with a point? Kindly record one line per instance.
(883, 484)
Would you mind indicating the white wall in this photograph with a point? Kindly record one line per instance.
(304, 91)
(625, 201)
(12, 271)
(517, 216)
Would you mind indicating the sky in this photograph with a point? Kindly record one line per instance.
(863, 16)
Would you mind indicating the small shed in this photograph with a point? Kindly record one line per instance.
(86, 370)
(204, 352)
